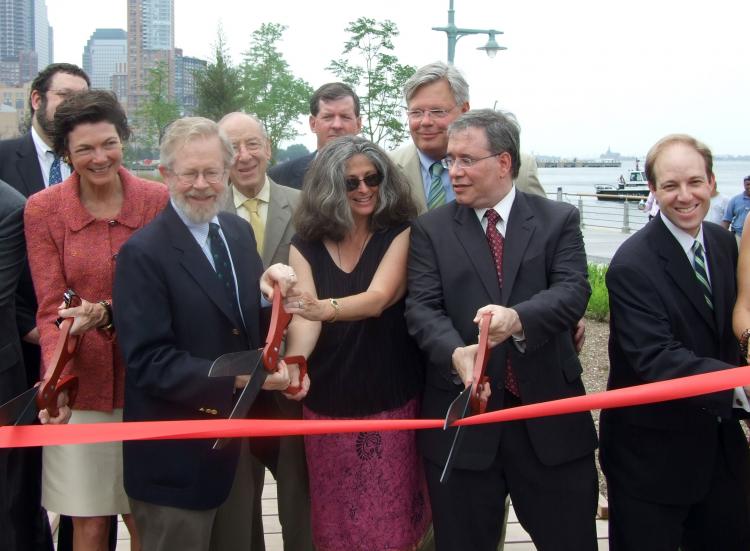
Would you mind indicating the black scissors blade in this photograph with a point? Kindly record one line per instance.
(245, 401)
(457, 410)
(20, 410)
(232, 364)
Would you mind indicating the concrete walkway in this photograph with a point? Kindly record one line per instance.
(601, 243)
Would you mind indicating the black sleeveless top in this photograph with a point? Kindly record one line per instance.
(359, 367)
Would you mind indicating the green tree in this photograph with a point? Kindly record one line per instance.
(370, 67)
(219, 87)
(272, 92)
(292, 152)
(159, 108)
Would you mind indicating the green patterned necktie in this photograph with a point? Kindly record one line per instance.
(436, 196)
(699, 265)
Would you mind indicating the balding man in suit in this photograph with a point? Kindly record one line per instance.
(268, 207)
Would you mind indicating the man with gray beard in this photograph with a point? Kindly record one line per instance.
(186, 291)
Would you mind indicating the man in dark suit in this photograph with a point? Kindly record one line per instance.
(677, 472)
(268, 207)
(23, 522)
(334, 112)
(186, 291)
(528, 267)
(26, 162)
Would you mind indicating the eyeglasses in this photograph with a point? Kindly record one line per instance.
(463, 162)
(418, 114)
(210, 175)
(371, 180)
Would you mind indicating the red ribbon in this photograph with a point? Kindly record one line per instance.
(49, 435)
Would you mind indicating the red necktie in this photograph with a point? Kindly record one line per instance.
(497, 243)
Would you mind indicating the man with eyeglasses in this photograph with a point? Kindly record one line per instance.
(186, 292)
(29, 165)
(436, 95)
(268, 207)
(521, 258)
(334, 112)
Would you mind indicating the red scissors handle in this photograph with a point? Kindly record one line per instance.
(279, 321)
(55, 383)
(479, 405)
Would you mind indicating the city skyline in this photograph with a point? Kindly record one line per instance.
(579, 76)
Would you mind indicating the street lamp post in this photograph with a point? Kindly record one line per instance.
(454, 33)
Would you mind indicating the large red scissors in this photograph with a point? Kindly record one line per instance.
(258, 363)
(24, 408)
(470, 396)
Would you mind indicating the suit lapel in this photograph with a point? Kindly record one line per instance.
(28, 168)
(677, 266)
(279, 217)
(472, 238)
(520, 228)
(721, 269)
(196, 264)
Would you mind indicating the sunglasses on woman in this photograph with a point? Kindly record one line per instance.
(371, 180)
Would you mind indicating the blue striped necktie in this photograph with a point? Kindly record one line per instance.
(55, 173)
(223, 266)
(436, 195)
(699, 265)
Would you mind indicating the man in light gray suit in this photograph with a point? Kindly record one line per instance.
(268, 207)
(436, 95)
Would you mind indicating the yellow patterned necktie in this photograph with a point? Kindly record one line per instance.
(255, 221)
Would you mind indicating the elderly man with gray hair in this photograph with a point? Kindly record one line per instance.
(436, 95)
(269, 207)
(186, 291)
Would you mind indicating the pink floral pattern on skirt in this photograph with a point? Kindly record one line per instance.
(367, 489)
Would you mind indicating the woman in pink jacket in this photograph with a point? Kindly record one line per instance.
(73, 232)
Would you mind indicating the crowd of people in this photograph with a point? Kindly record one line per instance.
(387, 261)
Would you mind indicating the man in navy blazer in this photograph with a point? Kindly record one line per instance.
(181, 303)
(677, 472)
(334, 112)
(541, 290)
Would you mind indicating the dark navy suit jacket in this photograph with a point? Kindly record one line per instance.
(292, 173)
(173, 319)
(661, 328)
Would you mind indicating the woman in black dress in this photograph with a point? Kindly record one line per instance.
(350, 256)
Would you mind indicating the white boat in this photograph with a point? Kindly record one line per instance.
(635, 187)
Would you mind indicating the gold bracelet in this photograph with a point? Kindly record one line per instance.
(336, 309)
(109, 326)
(743, 343)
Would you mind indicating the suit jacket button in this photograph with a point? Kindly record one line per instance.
(236, 332)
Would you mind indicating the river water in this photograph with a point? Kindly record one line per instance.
(729, 176)
(579, 185)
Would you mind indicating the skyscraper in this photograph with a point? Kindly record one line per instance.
(25, 40)
(150, 41)
(104, 56)
(185, 69)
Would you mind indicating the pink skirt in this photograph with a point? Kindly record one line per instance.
(367, 489)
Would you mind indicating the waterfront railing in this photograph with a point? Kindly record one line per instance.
(617, 214)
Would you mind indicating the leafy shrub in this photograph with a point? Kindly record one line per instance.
(598, 308)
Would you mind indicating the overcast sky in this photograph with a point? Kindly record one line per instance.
(580, 75)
